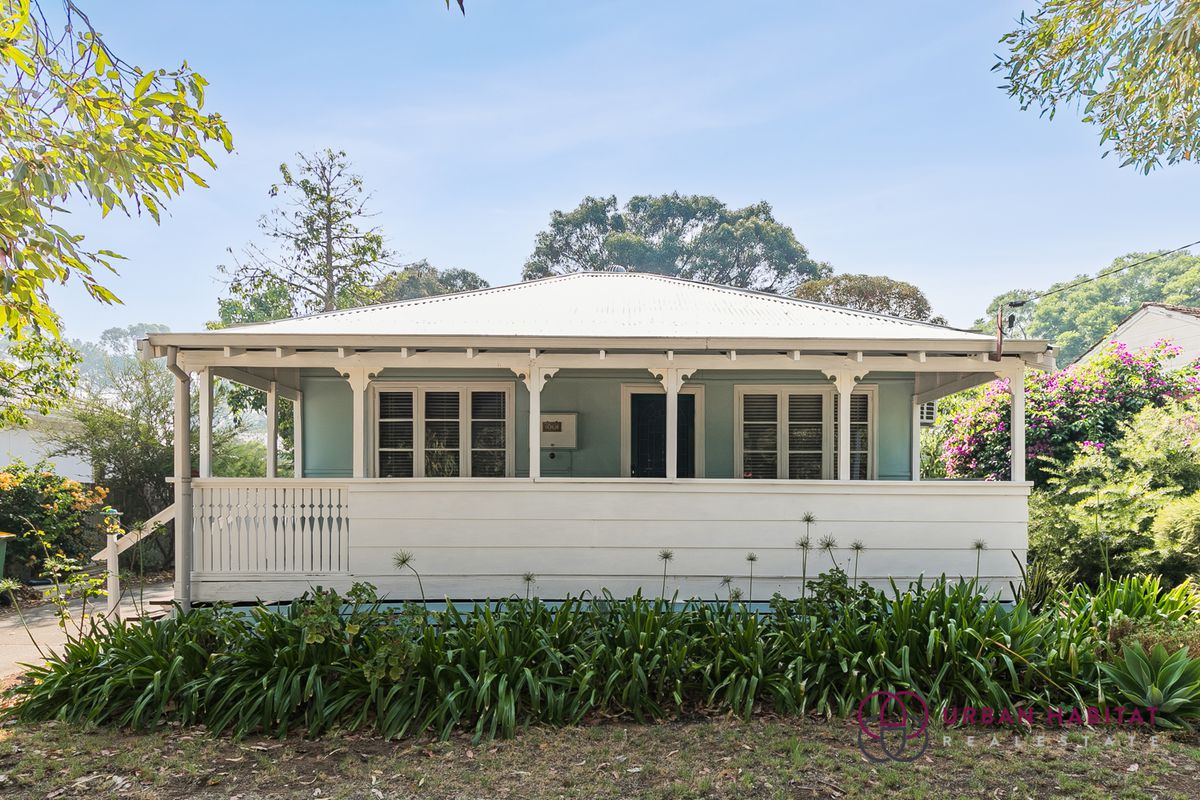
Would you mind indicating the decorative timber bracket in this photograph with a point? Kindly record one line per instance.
(358, 377)
(534, 377)
(672, 378)
(845, 377)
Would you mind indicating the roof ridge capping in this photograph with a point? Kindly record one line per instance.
(773, 297)
(412, 301)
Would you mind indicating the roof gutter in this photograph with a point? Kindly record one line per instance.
(218, 339)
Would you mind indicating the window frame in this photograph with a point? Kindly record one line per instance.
(781, 392)
(464, 388)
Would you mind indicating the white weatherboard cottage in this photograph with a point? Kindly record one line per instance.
(575, 426)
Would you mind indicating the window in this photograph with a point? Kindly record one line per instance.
(806, 436)
(444, 431)
(760, 436)
(860, 435)
(443, 448)
(395, 435)
(489, 434)
(791, 432)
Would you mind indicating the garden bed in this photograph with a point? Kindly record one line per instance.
(320, 667)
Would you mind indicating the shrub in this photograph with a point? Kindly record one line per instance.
(1114, 509)
(1085, 402)
(1177, 527)
(1171, 634)
(1068, 545)
(35, 499)
(1163, 443)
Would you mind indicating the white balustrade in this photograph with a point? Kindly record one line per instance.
(270, 527)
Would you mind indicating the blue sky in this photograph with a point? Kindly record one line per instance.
(874, 129)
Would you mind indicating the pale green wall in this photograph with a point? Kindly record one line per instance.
(328, 428)
(596, 397)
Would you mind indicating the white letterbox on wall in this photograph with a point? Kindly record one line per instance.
(558, 431)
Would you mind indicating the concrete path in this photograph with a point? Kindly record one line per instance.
(15, 647)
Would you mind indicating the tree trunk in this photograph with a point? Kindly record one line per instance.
(330, 280)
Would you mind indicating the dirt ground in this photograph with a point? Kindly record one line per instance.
(718, 758)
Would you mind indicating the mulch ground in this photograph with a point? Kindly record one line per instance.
(766, 757)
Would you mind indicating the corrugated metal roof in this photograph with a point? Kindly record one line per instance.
(610, 305)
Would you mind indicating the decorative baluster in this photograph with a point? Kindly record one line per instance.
(275, 528)
(307, 539)
(344, 564)
(290, 536)
(244, 507)
(226, 530)
(338, 524)
(204, 521)
(263, 540)
(322, 527)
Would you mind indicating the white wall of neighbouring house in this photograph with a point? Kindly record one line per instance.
(1151, 324)
(30, 445)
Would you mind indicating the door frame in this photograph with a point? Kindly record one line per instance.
(630, 389)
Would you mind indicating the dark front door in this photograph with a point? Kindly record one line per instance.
(648, 429)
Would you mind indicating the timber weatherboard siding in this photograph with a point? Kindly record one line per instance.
(476, 538)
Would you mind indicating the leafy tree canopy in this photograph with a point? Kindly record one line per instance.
(1133, 67)
(77, 121)
(1077, 317)
(115, 345)
(37, 373)
(878, 294)
(688, 236)
(425, 280)
(321, 255)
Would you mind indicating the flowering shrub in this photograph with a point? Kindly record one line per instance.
(45, 509)
(1083, 405)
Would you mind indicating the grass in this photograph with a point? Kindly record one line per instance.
(766, 757)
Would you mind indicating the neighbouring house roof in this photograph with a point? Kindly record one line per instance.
(1188, 310)
(1152, 322)
(600, 305)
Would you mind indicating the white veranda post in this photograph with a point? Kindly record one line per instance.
(272, 429)
(915, 465)
(359, 379)
(844, 381)
(672, 381)
(535, 380)
(298, 436)
(1016, 423)
(183, 488)
(204, 378)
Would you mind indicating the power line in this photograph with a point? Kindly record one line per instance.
(1098, 276)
